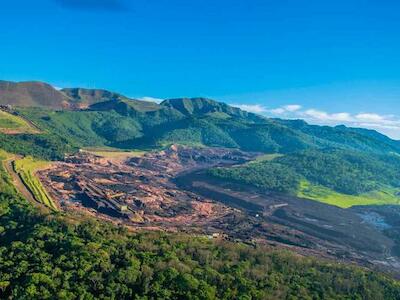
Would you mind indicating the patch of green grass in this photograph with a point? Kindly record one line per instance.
(13, 124)
(267, 157)
(386, 195)
(114, 153)
(26, 168)
(5, 155)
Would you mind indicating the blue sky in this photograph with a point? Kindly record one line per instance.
(334, 61)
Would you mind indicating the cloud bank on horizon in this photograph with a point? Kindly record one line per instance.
(386, 124)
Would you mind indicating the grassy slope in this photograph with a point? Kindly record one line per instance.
(385, 195)
(266, 157)
(11, 124)
(26, 168)
(114, 153)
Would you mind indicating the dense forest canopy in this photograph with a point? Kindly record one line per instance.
(52, 257)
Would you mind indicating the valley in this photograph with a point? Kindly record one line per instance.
(170, 190)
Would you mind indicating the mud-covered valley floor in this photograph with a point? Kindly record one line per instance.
(170, 190)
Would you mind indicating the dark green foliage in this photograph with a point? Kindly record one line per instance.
(45, 146)
(194, 131)
(76, 127)
(263, 175)
(344, 171)
(125, 123)
(116, 129)
(49, 258)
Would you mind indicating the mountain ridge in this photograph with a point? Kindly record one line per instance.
(183, 120)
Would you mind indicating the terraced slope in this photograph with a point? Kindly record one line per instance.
(26, 168)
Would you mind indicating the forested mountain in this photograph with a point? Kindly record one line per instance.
(89, 117)
(194, 120)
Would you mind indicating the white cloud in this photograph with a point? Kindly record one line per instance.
(316, 114)
(258, 108)
(367, 117)
(324, 116)
(292, 107)
(277, 111)
(387, 124)
(254, 108)
(284, 110)
(150, 99)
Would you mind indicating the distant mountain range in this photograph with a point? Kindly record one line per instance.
(40, 94)
(95, 117)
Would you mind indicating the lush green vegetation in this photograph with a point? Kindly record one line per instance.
(266, 176)
(114, 153)
(26, 169)
(46, 146)
(334, 176)
(80, 128)
(385, 195)
(136, 124)
(346, 172)
(13, 124)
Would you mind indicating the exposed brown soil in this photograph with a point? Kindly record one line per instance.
(139, 190)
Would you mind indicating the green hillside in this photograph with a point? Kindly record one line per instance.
(127, 123)
(12, 124)
(95, 117)
(334, 176)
